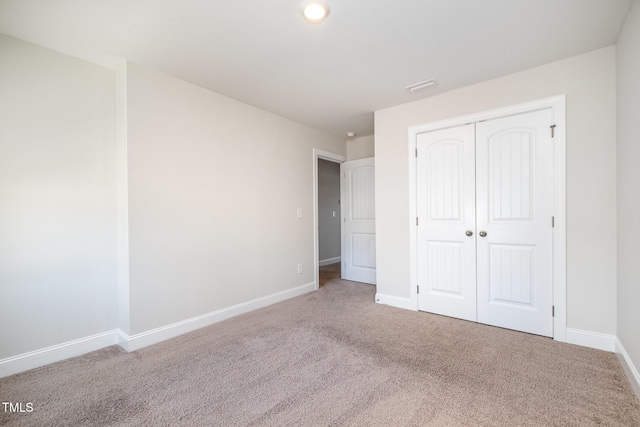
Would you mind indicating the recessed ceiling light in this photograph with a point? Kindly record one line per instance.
(351, 134)
(314, 11)
(421, 85)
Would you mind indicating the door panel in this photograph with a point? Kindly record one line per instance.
(511, 270)
(445, 263)
(514, 207)
(446, 211)
(510, 175)
(358, 213)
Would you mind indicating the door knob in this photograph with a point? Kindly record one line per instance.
(469, 233)
(483, 234)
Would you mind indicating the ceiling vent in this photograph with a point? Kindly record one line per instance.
(421, 85)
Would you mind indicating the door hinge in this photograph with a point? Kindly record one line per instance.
(553, 311)
(553, 221)
(418, 288)
(416, 152)
(416, 220)
(553, 131)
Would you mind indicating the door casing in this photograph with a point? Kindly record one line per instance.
(557, 106)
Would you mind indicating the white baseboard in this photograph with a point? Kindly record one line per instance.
(34, 359)
(55, 353)
(328, 261)
(590, 339)
(154, 336)
(394, 301)
(631, 369)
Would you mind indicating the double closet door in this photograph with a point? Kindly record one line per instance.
(485, 209)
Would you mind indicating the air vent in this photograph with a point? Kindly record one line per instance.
(421, 85)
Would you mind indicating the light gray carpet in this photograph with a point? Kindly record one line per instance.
(333, 357)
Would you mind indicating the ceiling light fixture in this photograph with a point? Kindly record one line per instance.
(421, 85)
(351, 134)
(314, 11)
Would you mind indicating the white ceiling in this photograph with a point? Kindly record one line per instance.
(330, 76)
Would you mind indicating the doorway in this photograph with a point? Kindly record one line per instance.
(329, 227)
(355, 215)
(324, 191)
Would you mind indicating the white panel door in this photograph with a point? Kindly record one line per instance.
(485, 207)
(514, 222)
(359, 221)
(446, 212)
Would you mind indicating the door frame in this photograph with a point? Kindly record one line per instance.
(558, 107)
(332, 157)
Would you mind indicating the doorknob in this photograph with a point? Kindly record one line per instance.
(469, 233)
(483, 234)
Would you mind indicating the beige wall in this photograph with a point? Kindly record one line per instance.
(360, 148)
(628, 102)
(214, 188)
(57, 198)
(589, 84)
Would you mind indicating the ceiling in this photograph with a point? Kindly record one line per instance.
(330, 76)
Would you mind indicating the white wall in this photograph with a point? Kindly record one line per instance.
(214, 187)
(628, 103)
(328, 210)
(57, 198)
(589, 84)
(360, 148)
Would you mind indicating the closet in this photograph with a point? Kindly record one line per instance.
(485, 203)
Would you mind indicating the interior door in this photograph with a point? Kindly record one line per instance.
(485, 207)
(359, 221)
(446, 222)
(514, 222)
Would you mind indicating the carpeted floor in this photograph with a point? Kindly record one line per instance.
(332, 357)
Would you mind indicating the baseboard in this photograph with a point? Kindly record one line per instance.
(394, 301)
(154, 336)
(329, 261)
(590, 339)
(629, 367)
(35, 359)
(55, 353)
